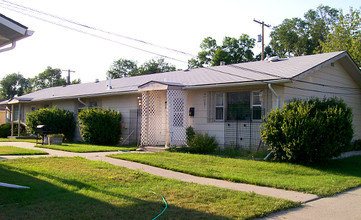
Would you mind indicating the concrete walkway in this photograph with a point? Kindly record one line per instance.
(343, 206)
(346, 205)
(101, 156)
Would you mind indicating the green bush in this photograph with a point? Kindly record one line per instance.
(308, 131)
(356, 145)
(100, 126)
(5, 130)
(202, 144)
(190, 133)
(59, 121)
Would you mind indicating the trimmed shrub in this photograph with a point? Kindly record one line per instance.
(5, 130)
(202, 144)
(356, 145)
(308, 131)
(190, 133)
(100, 126)
(59, 121)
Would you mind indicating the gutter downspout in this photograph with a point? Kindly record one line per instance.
(277, 96)
(13, 45)
(83, 103)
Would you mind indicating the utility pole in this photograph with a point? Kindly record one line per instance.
(263, 24)
(68, 78)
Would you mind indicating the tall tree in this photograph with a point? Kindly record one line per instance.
(155, 66)
(296, 36)
(49, 78)
(122, 68)
(232, 50)
(14, 84)
(125, 68)
(345, 35)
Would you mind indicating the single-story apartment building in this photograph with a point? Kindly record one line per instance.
(226, 101)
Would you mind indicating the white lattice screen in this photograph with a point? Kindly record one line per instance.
(164, 118)
(177, 114)
(154, 119)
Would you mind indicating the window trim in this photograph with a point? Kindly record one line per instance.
(222, 94)
(256, 105)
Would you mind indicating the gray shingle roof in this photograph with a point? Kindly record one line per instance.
(259, 71)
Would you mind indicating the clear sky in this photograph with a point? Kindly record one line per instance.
(180, 25)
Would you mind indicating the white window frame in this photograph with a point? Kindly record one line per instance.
(222, 94)
(256, 105)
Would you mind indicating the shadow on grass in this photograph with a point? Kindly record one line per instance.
(45, 200)
(344, 167)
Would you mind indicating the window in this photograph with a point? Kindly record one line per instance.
(93, 104)
(231, 106)
(238, 106)
(33, 108)
(219, 106)
(257, 103)
(16, 113)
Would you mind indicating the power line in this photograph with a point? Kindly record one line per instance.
(95, 28)
(157, 54)
(94, 35)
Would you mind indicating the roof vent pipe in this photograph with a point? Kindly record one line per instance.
(277, 96)
(222, 63)
(96, 80)
(110, 83)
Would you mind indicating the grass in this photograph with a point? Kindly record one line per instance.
(76, 188)
(18, 140)
(326, 180)
(10, 150)
(83, 148)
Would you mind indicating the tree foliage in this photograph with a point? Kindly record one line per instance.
(345, 35)
(14, 84)
(59, 121)
(296, 36)
(122, 68)
(232, 50)
(49, 78)
(125, 68)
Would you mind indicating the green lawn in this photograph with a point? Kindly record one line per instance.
(83, 148)
(10, 150)
(76, 188)
(329, 179)
(18, 140)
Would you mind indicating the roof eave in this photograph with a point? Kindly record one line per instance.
(250, 83)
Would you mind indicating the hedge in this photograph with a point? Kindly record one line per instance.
(308, 131)
(100, 126)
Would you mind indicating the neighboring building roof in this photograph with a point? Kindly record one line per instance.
(258, 72)
(12, 31)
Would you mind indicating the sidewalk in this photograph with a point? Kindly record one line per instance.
(343, 206)
(101, 156)
(346, 205)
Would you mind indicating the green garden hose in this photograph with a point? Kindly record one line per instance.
(165, 202)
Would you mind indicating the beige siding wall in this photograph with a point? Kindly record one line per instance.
(334, 76)
(199, 100)
(123, 104)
